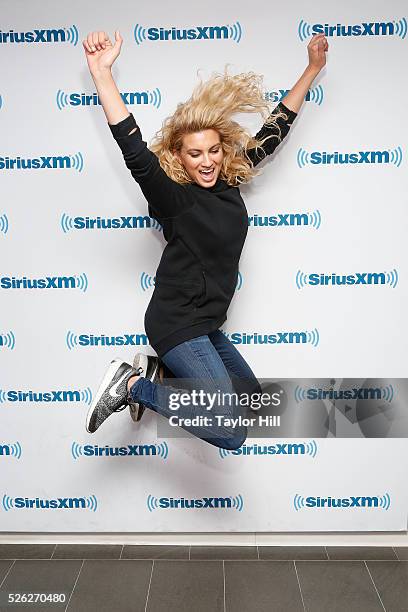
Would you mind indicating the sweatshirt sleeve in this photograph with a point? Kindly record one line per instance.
(165, 197)
(270, 145)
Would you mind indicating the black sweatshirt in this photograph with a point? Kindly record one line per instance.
(205, 229)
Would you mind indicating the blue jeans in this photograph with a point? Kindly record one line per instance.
(216, 365)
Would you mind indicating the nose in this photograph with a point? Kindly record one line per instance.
(206, 160)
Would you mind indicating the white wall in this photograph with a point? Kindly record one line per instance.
(357, 104)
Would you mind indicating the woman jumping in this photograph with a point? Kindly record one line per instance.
(190, 177)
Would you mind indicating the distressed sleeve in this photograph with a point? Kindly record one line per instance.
(270, 130)
(165, 197)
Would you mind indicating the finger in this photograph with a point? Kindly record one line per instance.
(86, 45)
(91, 42)
(95, 40)
(118, 40)
(101, 39)
(315, 40)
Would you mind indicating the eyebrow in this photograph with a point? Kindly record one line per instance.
(214, 145)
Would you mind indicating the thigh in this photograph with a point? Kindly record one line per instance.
(243, 378)
(200, 367)
(196, 358)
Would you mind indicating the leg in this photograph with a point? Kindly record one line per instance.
(242, 376)
(199, 360)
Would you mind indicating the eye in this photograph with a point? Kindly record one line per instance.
(213, 151)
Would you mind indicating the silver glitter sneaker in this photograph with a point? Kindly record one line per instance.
(148, 365)
(112, 394)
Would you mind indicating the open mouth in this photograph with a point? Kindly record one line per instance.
(207, 176)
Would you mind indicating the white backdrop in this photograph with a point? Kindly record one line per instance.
(53, 348)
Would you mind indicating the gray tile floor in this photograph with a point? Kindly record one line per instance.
(115, 578)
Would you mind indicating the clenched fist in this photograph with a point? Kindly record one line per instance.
(99, 51)
(317, 48)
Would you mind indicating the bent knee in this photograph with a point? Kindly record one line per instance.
(236, 439)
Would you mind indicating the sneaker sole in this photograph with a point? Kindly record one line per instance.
(113, 368)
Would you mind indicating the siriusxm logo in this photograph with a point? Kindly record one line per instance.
(306, 219)
(130, 450)
(147, 281)
(181, 503)
(60, 35)
(68, 223)
(359, 278)
(358, 393)
(145, 98)
(313, 95)
(284, 337)
(7, 340)
(58, 503)
(51, 162)
(300, 502)
(4, 222)
(11, 450)
(76, 395)
(160, 34)
(324, 158)
(74, 340)
(46, 282)
(284, 448)
(373, 28)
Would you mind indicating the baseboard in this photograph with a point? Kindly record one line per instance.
(379, 538)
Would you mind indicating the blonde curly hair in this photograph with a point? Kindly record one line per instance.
(211, 105)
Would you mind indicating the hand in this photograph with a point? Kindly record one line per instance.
(316, 49)
(99, 51)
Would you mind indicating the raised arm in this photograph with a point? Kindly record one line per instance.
(166, 198)
(317, 48)
(277, 133)
(293, 100)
